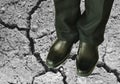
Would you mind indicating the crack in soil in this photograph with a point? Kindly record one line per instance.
(108, 68)
(31, 44)
(38, 57)
(35, 8)
(11, 83)
(46, 34)
(104, 65)
(12, 26)
(103, 57)
(32, 49)
(47, 69)
(31, 40)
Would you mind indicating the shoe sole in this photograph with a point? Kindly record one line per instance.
(59, 63)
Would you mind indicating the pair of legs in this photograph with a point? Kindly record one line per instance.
(72, 26)
(88, 27)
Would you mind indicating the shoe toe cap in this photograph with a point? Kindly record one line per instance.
(50, 63)
(83, 73)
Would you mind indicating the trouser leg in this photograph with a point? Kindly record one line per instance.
(66, 16)
(91, 24)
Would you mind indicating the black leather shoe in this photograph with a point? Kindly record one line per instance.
(58, 53)
(86, 59)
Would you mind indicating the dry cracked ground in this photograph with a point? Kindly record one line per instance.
(26, 34)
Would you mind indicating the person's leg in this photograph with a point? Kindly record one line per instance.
(92, 23)
(66, 16)
(91, 26)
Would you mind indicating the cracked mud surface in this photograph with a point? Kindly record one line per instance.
(26, 34)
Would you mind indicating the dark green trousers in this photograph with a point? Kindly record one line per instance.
(88, 27)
